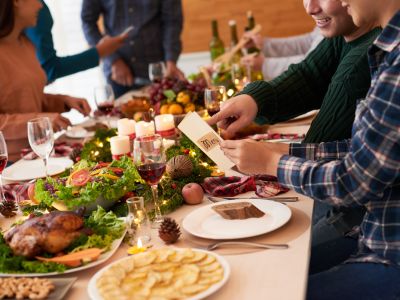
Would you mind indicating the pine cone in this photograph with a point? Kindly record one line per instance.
(169, 231)
(75, 154)
(8, 208)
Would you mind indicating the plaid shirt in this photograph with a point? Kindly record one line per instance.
(155, 37)
(369, 173)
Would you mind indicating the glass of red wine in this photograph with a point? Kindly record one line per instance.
(156, 71)
(213, 97)
(3, 161)
(104, 98)
(148, 154)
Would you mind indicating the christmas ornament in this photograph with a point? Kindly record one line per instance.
(179, 166)
(169, 231)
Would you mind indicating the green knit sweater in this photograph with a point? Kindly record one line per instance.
(332, 78)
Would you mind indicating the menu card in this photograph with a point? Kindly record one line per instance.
(200, 133)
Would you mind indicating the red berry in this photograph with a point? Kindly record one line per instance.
(186, 151)
(173, 185)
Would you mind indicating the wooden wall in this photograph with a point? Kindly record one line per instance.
(277, 17)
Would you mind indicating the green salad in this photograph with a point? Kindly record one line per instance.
(105, 228)
(87, 181)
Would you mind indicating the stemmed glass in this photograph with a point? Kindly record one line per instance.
(156, 71)
(104, 98)
(41, 138)
(149, 158)
(213, 97)
(241, 76)
(3, 161)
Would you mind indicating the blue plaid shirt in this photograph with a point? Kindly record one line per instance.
(365, 170)
(155, 37)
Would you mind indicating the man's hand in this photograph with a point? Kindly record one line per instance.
(255, 40)
(60, 123)
(174, 71)
(121, 73)
(253, 157)
(236, 113)
(79, 104)
(255, 61)
(109, 44)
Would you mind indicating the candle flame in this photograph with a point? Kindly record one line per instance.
(139, 243)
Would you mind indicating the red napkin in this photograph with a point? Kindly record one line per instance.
(61, 149)
(263, 185)
(277, 136)
(16, 191)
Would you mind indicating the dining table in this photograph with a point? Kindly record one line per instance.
(274, 274)
(255, 273)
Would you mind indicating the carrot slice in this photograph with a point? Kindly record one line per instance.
(74, 259)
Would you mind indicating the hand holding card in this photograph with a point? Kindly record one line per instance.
(200, 133)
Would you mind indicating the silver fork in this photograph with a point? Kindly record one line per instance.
(216, 245)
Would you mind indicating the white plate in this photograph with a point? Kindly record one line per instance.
(206, 223)
(78, 132)
(105, 256)
(94, 293)
(306, 115)
(24, 170)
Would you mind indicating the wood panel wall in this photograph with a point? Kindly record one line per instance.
(277, 17)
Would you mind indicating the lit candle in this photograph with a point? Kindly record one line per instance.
(144, 128)
(120, 146)
(126, 127)
(165, 125)
(168, 143)
(137, 248)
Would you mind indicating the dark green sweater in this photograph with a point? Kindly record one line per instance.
(332, 78)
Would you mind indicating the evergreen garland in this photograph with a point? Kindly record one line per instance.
(98, 149)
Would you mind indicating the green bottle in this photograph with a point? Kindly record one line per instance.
(234, 40)
(217, 46)
(251, 23)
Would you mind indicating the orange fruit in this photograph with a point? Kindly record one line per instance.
(175, 109)
(183, 98)
(164, 109)
(190, 107)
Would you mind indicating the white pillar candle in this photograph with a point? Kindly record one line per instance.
(144, 128)
(126, 127)
(164, 122)
(120, 145)
(168, 143)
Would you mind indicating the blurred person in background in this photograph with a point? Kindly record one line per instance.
(56, 66)
(155, 32)
(22, 79)
(277, 54)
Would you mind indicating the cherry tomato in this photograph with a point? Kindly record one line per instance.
(100, 165)
(117, 171)
(80, 178)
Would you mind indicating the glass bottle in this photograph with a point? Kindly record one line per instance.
(234, 40)
(217, 46)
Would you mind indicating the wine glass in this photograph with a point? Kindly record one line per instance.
(213, 97)
(241, 75)
(156, 71)
(104, 98)
(148, 154)
(3, 161)
(41, 138)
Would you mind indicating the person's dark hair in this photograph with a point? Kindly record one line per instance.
(6, 17)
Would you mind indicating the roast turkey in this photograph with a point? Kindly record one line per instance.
(49, 233)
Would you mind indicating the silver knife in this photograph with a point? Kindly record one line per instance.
(278, 199)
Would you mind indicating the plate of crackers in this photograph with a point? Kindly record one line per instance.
(165, 273)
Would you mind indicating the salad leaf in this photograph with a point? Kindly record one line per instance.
(105, 184)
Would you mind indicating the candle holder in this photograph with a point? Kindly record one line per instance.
(137, 221)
